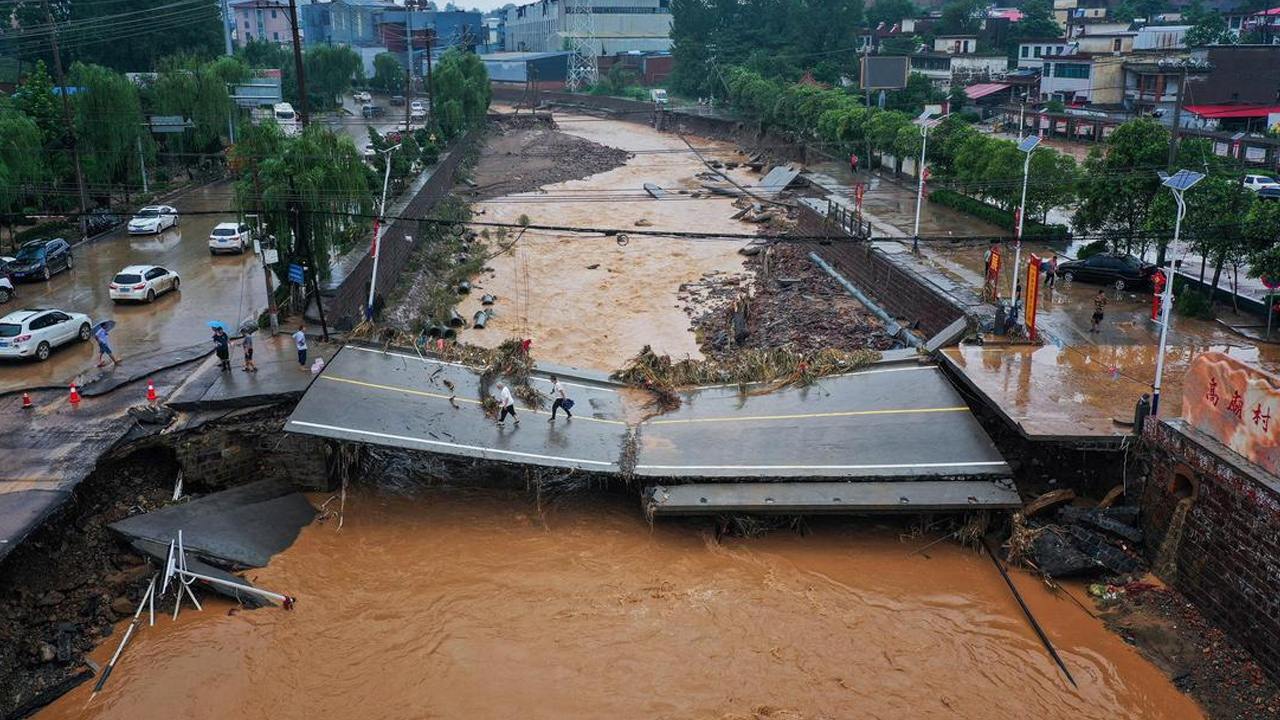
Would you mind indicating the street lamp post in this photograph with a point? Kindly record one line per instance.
(1179, 183)
(1027, 146)
(925, 121)
(382, 223)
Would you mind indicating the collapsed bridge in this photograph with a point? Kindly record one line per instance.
(894, 437)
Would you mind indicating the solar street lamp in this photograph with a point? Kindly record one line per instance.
(1179, 183)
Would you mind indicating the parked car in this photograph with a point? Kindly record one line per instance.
(34, 333)
(369, 152)
(397, 100)
(229, 237)
(417, 110)
(1260, 182)
(41, 259)
(142, 283)
(1121, 271)
(362, 96)
(5, 260)
(101, 220)
(1269, 193)
(7, 290)
(373, 111)
(153, 219)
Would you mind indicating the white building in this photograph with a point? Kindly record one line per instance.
(946, 69)
(1161, 37)
(1031, 51)
(620, 25)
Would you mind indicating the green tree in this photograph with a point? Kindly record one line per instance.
(1119, 184)
(22, 164)
(319, 174)
(264, 54)
(1211, 226)
(1262, 236)
(196, 90)
(961, 17)
(388, 74)
(1208, 26)
(890, 12)
(331, 70)
(1037, 22)
(1133, 9)
(108, 119)
(37, 101)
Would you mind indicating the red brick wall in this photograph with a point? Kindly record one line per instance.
(1227, 560)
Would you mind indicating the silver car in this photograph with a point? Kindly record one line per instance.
(153, 219)
(35, 332)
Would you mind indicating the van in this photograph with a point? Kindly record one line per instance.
(658, 96)
(286, 118)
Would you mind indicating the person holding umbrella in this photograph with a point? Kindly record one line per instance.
(246, 343)
(221, 345)
(100, 332)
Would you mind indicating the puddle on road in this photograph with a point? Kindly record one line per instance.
(466, 604)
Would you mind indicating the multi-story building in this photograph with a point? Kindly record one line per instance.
(262, 20)
(956, 44)
(946, 70)
(354, 22)
(317, 25)
(620, 25)
(1032, 50)
(1081, 79)
(1161, 37)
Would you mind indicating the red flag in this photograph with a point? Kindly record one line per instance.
(377, 234)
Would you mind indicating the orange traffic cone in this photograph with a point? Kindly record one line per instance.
(26, 401)
(151, 391)
(75, 394)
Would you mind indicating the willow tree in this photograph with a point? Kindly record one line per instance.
(316, 183)
(108, 119)
(196, 90)
(22, 161)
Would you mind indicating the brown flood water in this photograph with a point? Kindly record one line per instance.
(465, 604)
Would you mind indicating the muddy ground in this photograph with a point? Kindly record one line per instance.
(63, 589)
(521, 154)
(1201, 659)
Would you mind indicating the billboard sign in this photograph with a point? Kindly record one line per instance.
(885, 72)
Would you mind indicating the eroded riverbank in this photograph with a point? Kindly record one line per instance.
(469, 604)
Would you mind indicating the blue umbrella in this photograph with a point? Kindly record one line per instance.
(107, 325)
(215, 324)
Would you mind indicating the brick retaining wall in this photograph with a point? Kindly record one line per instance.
(1227, 559)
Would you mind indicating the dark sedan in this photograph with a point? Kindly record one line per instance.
(1120, 271)
(41, 259)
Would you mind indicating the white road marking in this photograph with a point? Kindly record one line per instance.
(441, 443)
(468, 368)
(899, 466)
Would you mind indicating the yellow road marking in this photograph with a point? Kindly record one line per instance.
(806, 416)
(424, 393)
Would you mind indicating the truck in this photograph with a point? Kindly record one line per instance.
(658, 96)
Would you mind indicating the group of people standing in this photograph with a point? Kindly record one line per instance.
(222, 348)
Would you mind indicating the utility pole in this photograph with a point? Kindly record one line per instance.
(408, 97)
(226, 27)
(142, 165)
(1177, 119)
(298, 67)
(431, 89)
(273, 312)
(66, 114)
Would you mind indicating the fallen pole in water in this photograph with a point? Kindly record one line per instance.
(128, 633)
(1044, 639)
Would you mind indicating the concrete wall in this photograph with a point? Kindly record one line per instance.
(1224, 552)
(345, 307)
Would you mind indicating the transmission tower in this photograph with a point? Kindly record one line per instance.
(581, 30)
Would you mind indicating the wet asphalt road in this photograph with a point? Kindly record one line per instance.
(229, 288)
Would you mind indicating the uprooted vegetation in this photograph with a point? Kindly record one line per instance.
(447, 255)
(771, 368)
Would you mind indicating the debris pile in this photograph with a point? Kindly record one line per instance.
(524, 154)
(782, 301)
(1072, 541)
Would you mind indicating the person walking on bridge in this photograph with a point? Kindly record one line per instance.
(508, 405)
(560, 401)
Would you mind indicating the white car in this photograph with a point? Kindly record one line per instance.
(6, 289)
(1260, 182)
(142, 283)
(362, 96)
(34, 333)
(417, 110)
(153, 219)
(230, 237)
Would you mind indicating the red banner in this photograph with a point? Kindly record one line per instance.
(991, 288)
(1031, 296)
(1157, 282)
(373, 249)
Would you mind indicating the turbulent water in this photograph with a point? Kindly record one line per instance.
(472, 604)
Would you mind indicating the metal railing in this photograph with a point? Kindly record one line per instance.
(850, 222)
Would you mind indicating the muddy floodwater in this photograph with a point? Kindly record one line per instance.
(470, 604)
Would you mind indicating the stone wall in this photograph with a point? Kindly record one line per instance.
(245, 448)
(1212, 528)
(346, 306)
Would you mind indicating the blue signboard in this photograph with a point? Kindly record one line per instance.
(295, 274)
